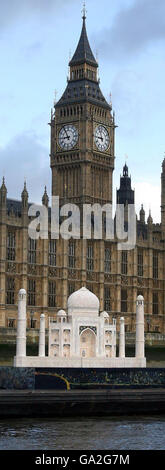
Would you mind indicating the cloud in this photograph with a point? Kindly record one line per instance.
(134, 28)
(149, 195)
(11, 10)
(126, 98)
(25, 158)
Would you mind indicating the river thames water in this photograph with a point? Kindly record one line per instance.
(125, 433)
(120, 433)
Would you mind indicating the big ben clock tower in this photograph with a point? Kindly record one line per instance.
(82, 134)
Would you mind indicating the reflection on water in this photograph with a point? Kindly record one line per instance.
(126, 433)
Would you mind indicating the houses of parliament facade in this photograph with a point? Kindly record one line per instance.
(82, 160)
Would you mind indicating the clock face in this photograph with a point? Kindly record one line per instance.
(68, 137)
(102, 140)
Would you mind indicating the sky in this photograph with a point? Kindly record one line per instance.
(36, 40)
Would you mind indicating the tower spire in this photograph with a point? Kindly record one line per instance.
(83, 53)
(84, 11)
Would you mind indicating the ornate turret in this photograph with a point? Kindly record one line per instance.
(24, 197)
(125, 194)
(45, 198)
(150, 220)
(3, 193)
(142, 215)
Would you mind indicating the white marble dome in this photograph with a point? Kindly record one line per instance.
(83, 299)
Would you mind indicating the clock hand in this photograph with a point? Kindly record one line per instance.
(101, 137)
(66, 134)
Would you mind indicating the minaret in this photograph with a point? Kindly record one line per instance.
(25, 222)
(163, 200)
(140, 327)
(21, 325)
(42, 336)
(122, 338)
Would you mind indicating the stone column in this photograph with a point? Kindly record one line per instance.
(42, 336)
(21, 325)
(122, 338)
(140, 327)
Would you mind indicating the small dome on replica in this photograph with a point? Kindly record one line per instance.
(104, 314)
(83, 299)
(140, 297)
(22, 292)
(61, 313)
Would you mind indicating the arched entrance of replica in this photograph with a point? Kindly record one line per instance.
(88, 343)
